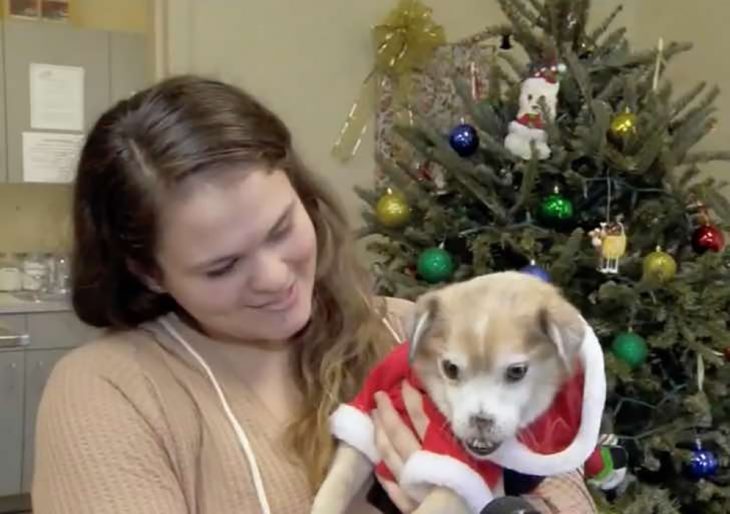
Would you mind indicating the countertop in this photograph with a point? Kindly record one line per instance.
(20, 303)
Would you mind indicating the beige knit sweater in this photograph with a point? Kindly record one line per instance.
(130, 424)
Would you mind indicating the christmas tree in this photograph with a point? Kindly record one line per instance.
(579, 165)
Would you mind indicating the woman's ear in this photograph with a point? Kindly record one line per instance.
(153, 284)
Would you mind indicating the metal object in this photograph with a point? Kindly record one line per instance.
(10, 339)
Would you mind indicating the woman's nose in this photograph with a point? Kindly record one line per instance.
(270, 274)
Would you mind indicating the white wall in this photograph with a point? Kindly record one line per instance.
(306, 60)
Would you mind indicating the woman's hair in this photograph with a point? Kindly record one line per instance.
(147, 145)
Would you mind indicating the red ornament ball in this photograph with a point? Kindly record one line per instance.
(708, 237)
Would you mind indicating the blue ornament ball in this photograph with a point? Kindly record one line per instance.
(536, 271)
(702, 464)
(464, 140)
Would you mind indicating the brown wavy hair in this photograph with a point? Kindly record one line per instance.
(150, 143)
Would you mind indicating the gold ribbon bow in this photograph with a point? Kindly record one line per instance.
(404, 42)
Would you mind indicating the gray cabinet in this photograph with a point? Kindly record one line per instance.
(24, 371)
(114, 66)
(11, 421)
(38, 366)
(47, 43)
(127, 63)
(51, 330)
(3, 153)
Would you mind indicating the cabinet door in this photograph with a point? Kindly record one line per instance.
(11, 422)
(128, 64)
(50, 43)
(51, 330)
(38, 366)
(14, 322)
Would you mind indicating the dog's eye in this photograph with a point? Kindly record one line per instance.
(516, 372)
(450, 369)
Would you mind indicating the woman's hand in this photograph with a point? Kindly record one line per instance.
(396, 443)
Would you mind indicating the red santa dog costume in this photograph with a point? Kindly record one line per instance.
(561, 440)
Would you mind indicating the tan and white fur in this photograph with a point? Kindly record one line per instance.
(492, 353)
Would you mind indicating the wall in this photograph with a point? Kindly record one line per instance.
(306, 60)
(34, 217)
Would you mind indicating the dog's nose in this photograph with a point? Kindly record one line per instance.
(482, 422)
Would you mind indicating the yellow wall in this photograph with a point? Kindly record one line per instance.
(34, 217)
(125, 15)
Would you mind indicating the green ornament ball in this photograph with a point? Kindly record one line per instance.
(630, 348)
(556, 208)
(435, 265)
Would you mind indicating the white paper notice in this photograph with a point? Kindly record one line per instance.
(49, 157)
(56, 97)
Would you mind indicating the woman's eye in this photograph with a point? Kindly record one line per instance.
(450, 369)
(219, 272)
(280, 233)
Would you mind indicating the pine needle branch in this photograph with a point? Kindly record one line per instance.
(648, 57)
(613, 87)
(439, 150)
(719, 204)
(605, 24)
(702, 157)
(485, 35)
(582, 9)
(528, 185)
(687, 177)
(521, 30)
(539, 7)
(580, 74)
(700, 111)
(532, 17)
(519, 69)
(483, 117)
(683, 101)
(611, 42)
(563, 267)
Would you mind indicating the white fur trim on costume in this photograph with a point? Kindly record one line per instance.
(514, 455)
(425, 468)
(354, 427)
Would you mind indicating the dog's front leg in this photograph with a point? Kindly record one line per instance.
(349, 471)
(442, 500)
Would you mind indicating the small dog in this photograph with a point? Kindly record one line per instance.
(511, 377)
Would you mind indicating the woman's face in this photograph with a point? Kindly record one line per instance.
(238, 252)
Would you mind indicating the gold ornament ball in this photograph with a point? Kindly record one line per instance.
(392, 210)
(659, 266)
(623, 125)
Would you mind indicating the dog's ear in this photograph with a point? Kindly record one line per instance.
(564, 326)
(424, 315)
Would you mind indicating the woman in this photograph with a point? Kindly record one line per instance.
(237, 319)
